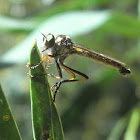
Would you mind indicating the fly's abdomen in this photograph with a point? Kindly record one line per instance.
(80, 50)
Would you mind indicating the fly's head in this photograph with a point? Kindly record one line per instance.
(48, 41)
(63, 40)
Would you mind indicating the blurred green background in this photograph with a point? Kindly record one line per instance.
(104, 107)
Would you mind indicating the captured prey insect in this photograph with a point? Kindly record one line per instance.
(61, 47)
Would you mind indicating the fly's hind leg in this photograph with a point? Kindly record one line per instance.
(71, 72)
(59, 71)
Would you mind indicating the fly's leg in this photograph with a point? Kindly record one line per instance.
(71, 72)
(57, 77)
(44, 58)
(50, 75)
(46, 66)
(59, 71)
(48, 61)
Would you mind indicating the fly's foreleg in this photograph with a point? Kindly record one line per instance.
(44, 58)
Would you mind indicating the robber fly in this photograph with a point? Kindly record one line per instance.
(61, 47)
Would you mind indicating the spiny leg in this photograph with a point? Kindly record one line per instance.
(48, 61)
(44, 58)
(71, 72)
(50, 75)
(57, 77)
(59, 71)
(66, 69)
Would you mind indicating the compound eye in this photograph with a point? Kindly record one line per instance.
(49, 40)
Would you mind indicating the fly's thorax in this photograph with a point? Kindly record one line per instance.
(63, 40)
(62, 51)
(63, 46)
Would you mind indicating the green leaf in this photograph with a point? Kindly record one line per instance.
(119, 128)
(20, 52)
(132, 119)
(8, 127)
(45, 119)
(133, 125)
(11, 24)
(122, 24)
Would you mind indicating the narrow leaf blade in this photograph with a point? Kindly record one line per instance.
(8, 127)
(45, 119)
